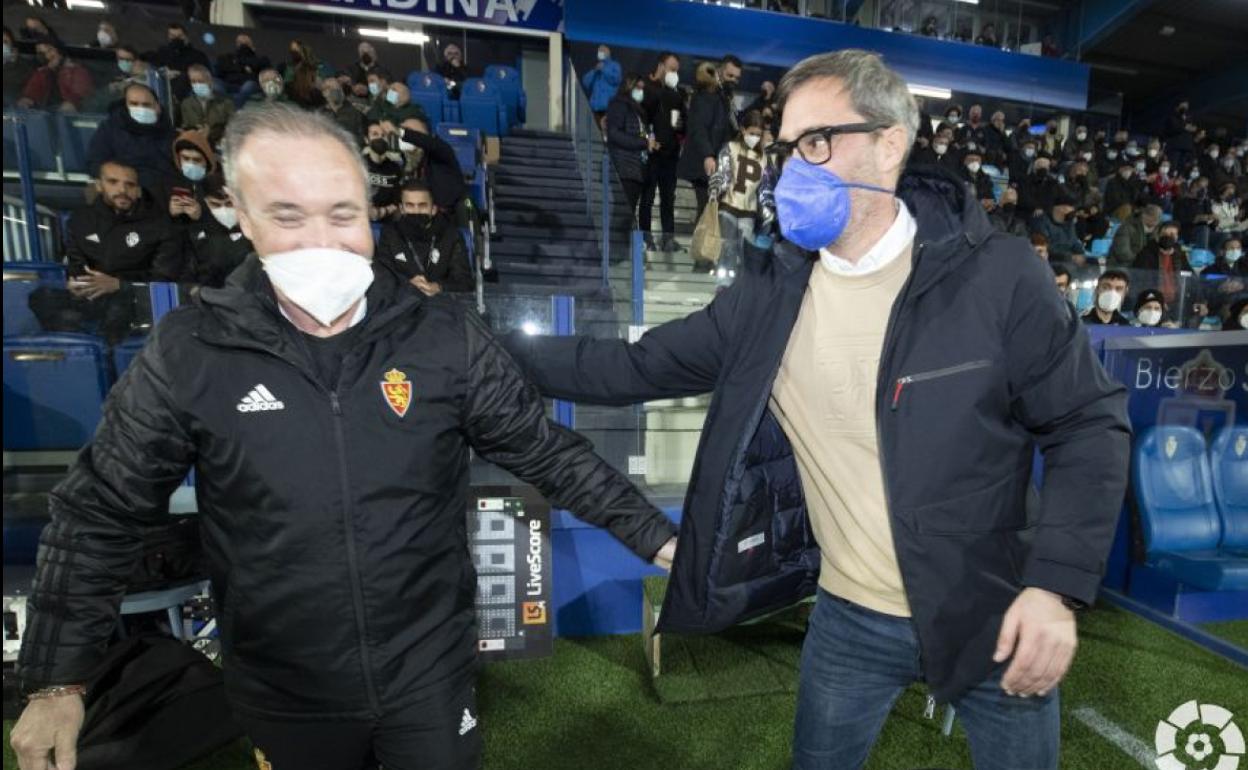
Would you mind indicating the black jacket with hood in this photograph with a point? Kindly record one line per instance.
(982, 363)
(334, 523)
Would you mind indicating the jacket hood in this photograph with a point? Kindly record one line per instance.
(200, 142)
(119, 113)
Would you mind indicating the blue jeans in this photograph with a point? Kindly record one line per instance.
(855, 664)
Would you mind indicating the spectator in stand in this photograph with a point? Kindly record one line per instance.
(1237, 317)
(36, 30)
(924, 136)
(17, 70)
(930, 27)
(1179, 133)
(1061, 277)
(398, 106)
(1164, 259)
(122, 237)
(1021, 160)
(1230, 260)
(182, 194)
(215, 242)
(711, 124)
(1040, 188)
(602, 82)
(1230, 219)
(132, 69)
(1152, 155)
(135, 135)
(1078, 145)
(628, 140)
(366, 64)
(1164, 187)
(972, 171)
(1208, 161)
(454, 72)
(996, 142)
(1194, 213)
(1040, 245)
(385, 173)
(58, 84)
(303, 76)
(1006, 216)
(1228, 170)
(740, 168)
(178, 55)
(1124, 191)
(1107, 159)
(204, 110)
(1058, 228)
(106, 37)
(1050, 48)
(1051, 141)
(1135, 233)
(988, 36)
(973, 135)
(378, 87)
(766, 99)
(424, 246)
(341, 111)
(272, 89)
(240, 69)
(665, 113)
(1111, 291)
(436, 165)
(1150, 310)
(937, 153)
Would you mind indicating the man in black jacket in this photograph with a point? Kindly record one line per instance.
(712, 122)
(216, 242)
(241, 69)
(424, 246)
(178, 55)
(328, 410)
(123, 237)
(881, 381)
(665, 113)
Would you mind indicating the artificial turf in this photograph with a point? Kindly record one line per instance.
(592, 705)
(1233, 631)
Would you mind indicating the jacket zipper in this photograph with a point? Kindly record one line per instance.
(357, 591)
(948, 371)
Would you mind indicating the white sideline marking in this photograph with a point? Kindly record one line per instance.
(1133, 747)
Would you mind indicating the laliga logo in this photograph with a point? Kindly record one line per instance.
(1198, 736)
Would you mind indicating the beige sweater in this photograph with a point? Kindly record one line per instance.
(824, 398)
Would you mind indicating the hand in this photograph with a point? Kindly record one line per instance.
(663, 559)
(48, 727)
(94, 285)
(429, 288)
(191, 208)
(709, 165)
(1038, 631)
(653, 144)
(389, 127)
(359, 89)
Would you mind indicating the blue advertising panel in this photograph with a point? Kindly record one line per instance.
(529, 15)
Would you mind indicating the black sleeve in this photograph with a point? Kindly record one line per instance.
(120, 484)
(618, 134)
(75, 257)
(389, 244)
(169, 261)
(459, 272)
(435, 147)
(701, 116)
(505, 422)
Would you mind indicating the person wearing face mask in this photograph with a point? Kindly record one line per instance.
(1164, 186)
(178, 55)
(272, 88)
(123, 237)
(740, 168)
(853, 375)
(1228, 170)
(241, 68)
(1106, 159)
(664, 106)
(1079, 144)
(711, 123)
(1124, 191)
(1111, 290)
(58, 84)
(602, 82)
(1134, 234)
(1058, 226)
(1178, 133)
(366, 62)
(972, 171)
(1164, 260)
(1230, 260)
(303, 74)
(204, 110)
(1236, 316)
(378, 88)
(1230, 219)
(1021, 160)
(1051, 141)
(454, 72)
(216, 243)
(106, 37)
(939, 153)
(384, 164)
(130, 69)
(973, 134)
(766, 99)
(1150, 310)
(424, 246)
(342, 112)
(328, 410)
(996, 141)
(397, 106)
(182, 193)
(629, 141)
(1194, 213)
(1006, 217)
(1039, 190)
(136, 133)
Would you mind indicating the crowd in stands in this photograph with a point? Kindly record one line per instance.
(160, 209)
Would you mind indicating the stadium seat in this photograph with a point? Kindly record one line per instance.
(54, 388)
(124, 354)
(1228, 460)
(1100, 248)
(1182, 528)
(20, 279)
(39, 139)
(481, 107)
(1200, 258)
(73, 133)
(507, 80)
(466, 142)
(429, 91)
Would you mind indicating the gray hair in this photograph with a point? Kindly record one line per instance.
(878, 93)
(283, 121)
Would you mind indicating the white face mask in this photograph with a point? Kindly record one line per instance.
(939, 148)
(105, 39)
(1233, 255)
(1081, 135)
(1150, 317)
(602, 56)
(1152, 152)
(752, 140)
(324, 283)
(1086, 156)
(1213, 154)
(1165, 170)
(226, 215)
(1029, 153)
(671, 79)
(1109, 301)
(973, 167)
(639, 94)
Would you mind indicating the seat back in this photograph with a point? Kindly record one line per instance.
(39, 138)
(1174, 491)
(74, 134)
(20, 281)
(54, 389)
(1228, 460)
(481, 107)
(507, 81)
(465, 142)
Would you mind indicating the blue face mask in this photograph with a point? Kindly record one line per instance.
(374, 88)
(202, 90)
(813, 204)
(392, 97)
(194, 171)
(144, 115)
(125, 65)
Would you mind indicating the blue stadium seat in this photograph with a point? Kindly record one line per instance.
(74, 134)
(1182, 528)
(507, 80)
(429, 91)
(466, 142)
(123, 354)
(466, 234)
(20, 279)
(481, 107)
(1100, 248)
(1228, 460)
(54, 388)
(1200, 258)
(39, 138)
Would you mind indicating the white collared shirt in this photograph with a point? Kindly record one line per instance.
(894, 241)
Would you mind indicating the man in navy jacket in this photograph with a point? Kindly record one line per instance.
(936, 558)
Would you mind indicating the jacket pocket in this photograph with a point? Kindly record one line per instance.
(1000, 507)
(949, 371)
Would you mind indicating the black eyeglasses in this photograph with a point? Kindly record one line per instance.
(815, 145)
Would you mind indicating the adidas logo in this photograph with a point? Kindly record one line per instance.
(260, 399)
(467, 723)
(93, 237)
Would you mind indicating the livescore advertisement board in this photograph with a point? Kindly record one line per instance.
(509, 539)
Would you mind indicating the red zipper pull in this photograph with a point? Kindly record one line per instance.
(901, 383)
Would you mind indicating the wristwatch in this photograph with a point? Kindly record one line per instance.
(1073, 604)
